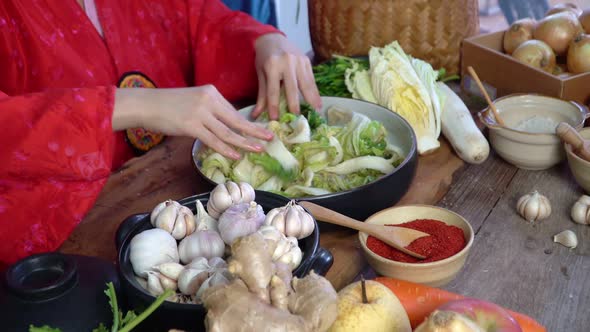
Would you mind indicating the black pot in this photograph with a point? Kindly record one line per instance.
(190, 317)
(58, 290)
(362, 202)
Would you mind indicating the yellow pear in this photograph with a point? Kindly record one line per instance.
(382, 310)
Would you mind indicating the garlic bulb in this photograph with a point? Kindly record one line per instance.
(174, 218)
(286, 249)
(150, 248)
(581, 210)
(205, 243)
(204, 220)
(566, 238)
(291, 220)
(227, 194)
(192, 280)
(533, 207)
(239, 220)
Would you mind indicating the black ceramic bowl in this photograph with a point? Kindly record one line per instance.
(190, 317)
(361, 202)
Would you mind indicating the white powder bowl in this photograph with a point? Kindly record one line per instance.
(529, 141)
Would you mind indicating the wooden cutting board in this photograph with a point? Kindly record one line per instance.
(167, 172)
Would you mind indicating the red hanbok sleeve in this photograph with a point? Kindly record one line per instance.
(57, 152)
(223, 47)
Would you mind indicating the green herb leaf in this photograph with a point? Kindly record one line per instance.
(101, 328)
(313, 118)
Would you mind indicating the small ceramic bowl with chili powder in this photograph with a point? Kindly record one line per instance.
(446, 249)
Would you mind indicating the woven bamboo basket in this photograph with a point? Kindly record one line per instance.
(431, 30)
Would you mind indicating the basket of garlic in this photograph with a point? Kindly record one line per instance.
(207, 244)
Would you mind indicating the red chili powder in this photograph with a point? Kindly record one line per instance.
(444, 241)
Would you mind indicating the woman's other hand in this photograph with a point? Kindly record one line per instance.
(277, 60)
(198, 112)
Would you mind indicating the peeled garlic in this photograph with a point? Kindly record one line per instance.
(533, 207)
(291, 220)
(227, 194)
(581, 210)
(205, 243)
(566, 238)
(176, 219)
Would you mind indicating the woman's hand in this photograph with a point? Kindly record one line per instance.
(198, 112)
(278, 60)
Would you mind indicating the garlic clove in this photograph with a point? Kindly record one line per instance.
(292, 222)
(170, 270)
(154, 287)
(567, 238)
(157, 211)
(219, 201)
(165, 219)
(533, 207)
(580, 212)
(234, 192)
(167, 283)
(247, 192)
(190, 280)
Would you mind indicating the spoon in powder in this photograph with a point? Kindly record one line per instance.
(485, 94)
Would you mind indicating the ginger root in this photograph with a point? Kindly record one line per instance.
(263, 296)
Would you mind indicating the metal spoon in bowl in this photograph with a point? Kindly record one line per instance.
(397, 237)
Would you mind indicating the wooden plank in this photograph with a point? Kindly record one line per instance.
(517, 265)
(477, 188)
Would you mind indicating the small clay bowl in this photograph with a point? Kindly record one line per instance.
(580, 168)
(527, 149)
(433, 274)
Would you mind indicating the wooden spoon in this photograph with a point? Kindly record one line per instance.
(571, 136)
(397, 237)
(485, 94)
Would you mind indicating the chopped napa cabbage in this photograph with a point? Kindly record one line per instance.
(335, 182)
(301, 131)
(315, 155)
(216, 167)
(397, 86)
(365, 162)
(273, 184)
(362, 136)
(271, 165)
(246, 171)
(298, 191)
(429, 77)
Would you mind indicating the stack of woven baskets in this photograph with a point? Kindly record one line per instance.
(431, 30)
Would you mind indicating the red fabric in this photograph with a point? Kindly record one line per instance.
(58, 79)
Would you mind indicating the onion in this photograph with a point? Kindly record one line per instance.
(564, 7)
(537, 54)
(578, 55)
(558, 30)
(585, 20)
(519, 32)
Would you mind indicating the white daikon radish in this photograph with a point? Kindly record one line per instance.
(460, 129)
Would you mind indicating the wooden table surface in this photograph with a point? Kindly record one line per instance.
(512, 263)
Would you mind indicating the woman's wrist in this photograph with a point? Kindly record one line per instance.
(129, 108)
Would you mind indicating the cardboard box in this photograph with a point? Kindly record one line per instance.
(503, 75)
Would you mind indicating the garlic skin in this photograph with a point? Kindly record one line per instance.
(566, 238)
(204, 220)
(581, 210)
(286, 249)
(174, 218)
(240, 220)
(151, 248)
(170, 270)
(291, 220)
(196, 276)
(533, 207)
(158, 283)
(205, 243)
(227, 194)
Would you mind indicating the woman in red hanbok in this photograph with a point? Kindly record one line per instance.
(68, 117)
